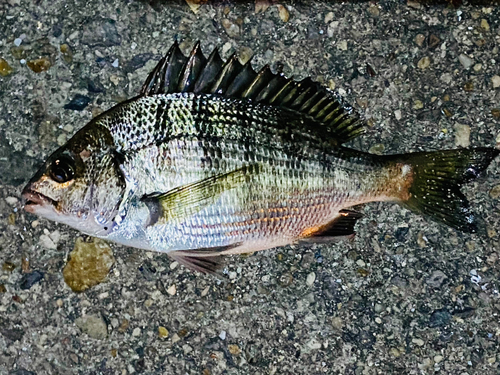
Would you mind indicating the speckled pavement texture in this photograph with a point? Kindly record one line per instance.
(406, 296)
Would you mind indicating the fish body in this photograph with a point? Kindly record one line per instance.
(213, 158)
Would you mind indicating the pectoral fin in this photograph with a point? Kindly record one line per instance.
(208, 260)
(185, 201)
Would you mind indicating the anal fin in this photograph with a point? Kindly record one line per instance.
(340, 228)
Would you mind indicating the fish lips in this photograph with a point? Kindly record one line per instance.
(33, 200)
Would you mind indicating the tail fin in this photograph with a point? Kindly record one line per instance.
(437, 177)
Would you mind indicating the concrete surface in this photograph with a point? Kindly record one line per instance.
(407, 296)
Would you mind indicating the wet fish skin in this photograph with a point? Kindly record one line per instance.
(200, 175)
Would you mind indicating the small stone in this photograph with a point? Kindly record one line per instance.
(101, 33)
(283, 13)
(39, 65)
(30, 279)
(123, 326)
(115, 63)
(66, 53)
(418, 342)
(205, 291)
(329, 17)
(395, 352)
(89, 264)
(93, 325)
(421, 240)
(495, 112)
(433, 41)
(8, 266)
(175, 338)
(439, 318)
(310, 279)
(136, 332)
(195, 5)
(17, 42)
(78, 103)
(2, 288)
(465, 60)
(418, 104)
(374, 11)
(477, 67)
(485, 25)
(495, 192)
(469, 86)
(47, 242)
(378, 320)
(172, 290)
(397, 114)
(245, 54)
(436, 279)
(424, 62)
(222, 335)
(438, 358)
(419, 39)
(342, 45)
(495, 80)
(377, 149)
(491, 360)
(5, 68)
(414, 4)
(261, 6)
(462, 135)
(162, 332)
(232, 29)
(234, 349)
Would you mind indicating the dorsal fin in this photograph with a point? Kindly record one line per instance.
(195, 73)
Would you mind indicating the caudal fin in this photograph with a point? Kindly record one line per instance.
(437, 178)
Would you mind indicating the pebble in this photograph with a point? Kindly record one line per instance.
(47, 242)
(424, 62)
(66, 53)
(342, 45)
(398, 114)
(234, 349)
(93, 325)
(436, 279)
(310, 279)
(374, 11)
(418, 342)
(5, 68)
(232, 29)
(439, 318)
(462, 135)
(283, 13)
(222, 335)
(162, 332)
(17, 42)
(495, 80)
(39, 65)
(115, 63)
(101, 33)
(30, 279)
(477, 67)
(377, 149)
(89, 264)
(136, 332)
(78, 103)
(172, 290)
(485, 25)
(11, 200)
(418, 104)
(419, 39)
(495, 192)
(194, 5)
(465, 60)
(438, 358)
(329, 17)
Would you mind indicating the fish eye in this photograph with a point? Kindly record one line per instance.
(62, 169)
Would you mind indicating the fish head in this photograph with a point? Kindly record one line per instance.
(81, 185)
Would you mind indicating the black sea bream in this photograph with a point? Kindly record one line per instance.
(213, 158)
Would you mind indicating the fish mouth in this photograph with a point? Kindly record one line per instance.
(33, 199)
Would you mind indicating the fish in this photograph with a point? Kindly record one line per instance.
(214, 158)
